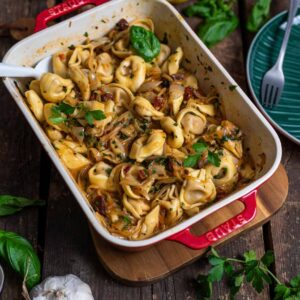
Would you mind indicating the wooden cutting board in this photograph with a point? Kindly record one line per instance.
(166, 257)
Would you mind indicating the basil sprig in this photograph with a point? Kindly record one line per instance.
(200, 147)
(20, 255)
(144, 42)
(11, 204)
(259, 15)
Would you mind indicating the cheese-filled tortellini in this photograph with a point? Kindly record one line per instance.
(224, 176)
(80, 77)
(176, 94)
(35, 104)
(55, 88)
(99, 175)
(131, 72)
(150, 224)
(192, 121)
(197, 189)
(145, 109)
(74, 161)
(60, 63)
(163, 54)
(148, 145)
(172, 65)
(105, 68)
(173, 129)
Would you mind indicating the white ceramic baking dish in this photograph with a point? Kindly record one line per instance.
(260, 136)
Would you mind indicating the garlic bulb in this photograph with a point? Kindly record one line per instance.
(68, 287)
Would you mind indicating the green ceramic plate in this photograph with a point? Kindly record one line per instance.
(262, 55)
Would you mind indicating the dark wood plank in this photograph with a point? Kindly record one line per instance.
(19, 152)
(283, 234)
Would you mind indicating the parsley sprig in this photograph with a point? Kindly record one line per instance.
(59, 112)
(199, 148)
(248, 269)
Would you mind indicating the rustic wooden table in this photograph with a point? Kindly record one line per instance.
(60, 231)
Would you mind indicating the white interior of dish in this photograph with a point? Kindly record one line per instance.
(260, 136)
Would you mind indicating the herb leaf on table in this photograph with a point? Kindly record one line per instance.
(259, 15)
(11, 204)
(248, 269)
(20, 255)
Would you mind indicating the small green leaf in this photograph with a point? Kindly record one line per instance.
(203, 287)
(228, 268)
(232, 87)
(191, 161)
(259, 14)
(257, 282)
(98, 114)
(250, 255)
(126, 220)
(204, 9)
(216, 273)
(200, 147)
(19, 253)
(214, 261)
(66, 108)
(268, 258)
(281, 292)
(86, 34)
(215, 29)
(57, 120)
(144, 42)
(214, 252)
(295, 282)
(214, 159)
(11, 204)
(238, 280)
(89, 118)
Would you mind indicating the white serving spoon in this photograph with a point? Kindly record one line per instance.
(1, 279)
(42, 67)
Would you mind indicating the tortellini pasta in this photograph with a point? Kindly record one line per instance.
(147, 148)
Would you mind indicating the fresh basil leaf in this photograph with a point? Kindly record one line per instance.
(57, 120)
(19, 253)
(217, 28)
(200, 147)
(191, 161)
(204, 9)
(228, 268)
(144, 42)
(268, 258)
(203, 287)
(11, 204)
(98, 114)
(259, 14)
(214, 159)
(66, 108)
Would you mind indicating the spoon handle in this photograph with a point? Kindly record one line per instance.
(17, 71)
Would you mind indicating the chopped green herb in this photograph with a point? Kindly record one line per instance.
(92, 115)
(86, 34)
(191, 161)
(126, 220)
(213, 158)
(71, 47)
(200, 147)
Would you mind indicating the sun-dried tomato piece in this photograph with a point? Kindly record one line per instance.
(107, 96)
(99, 205)
(188, 93)
(158, 102)
(122, 25)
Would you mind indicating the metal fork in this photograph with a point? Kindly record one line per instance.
(273, 81)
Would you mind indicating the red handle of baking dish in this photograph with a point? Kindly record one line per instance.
(205, 240)
(60, 10)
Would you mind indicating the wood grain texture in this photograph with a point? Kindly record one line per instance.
(283, 231)
(19, 153)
